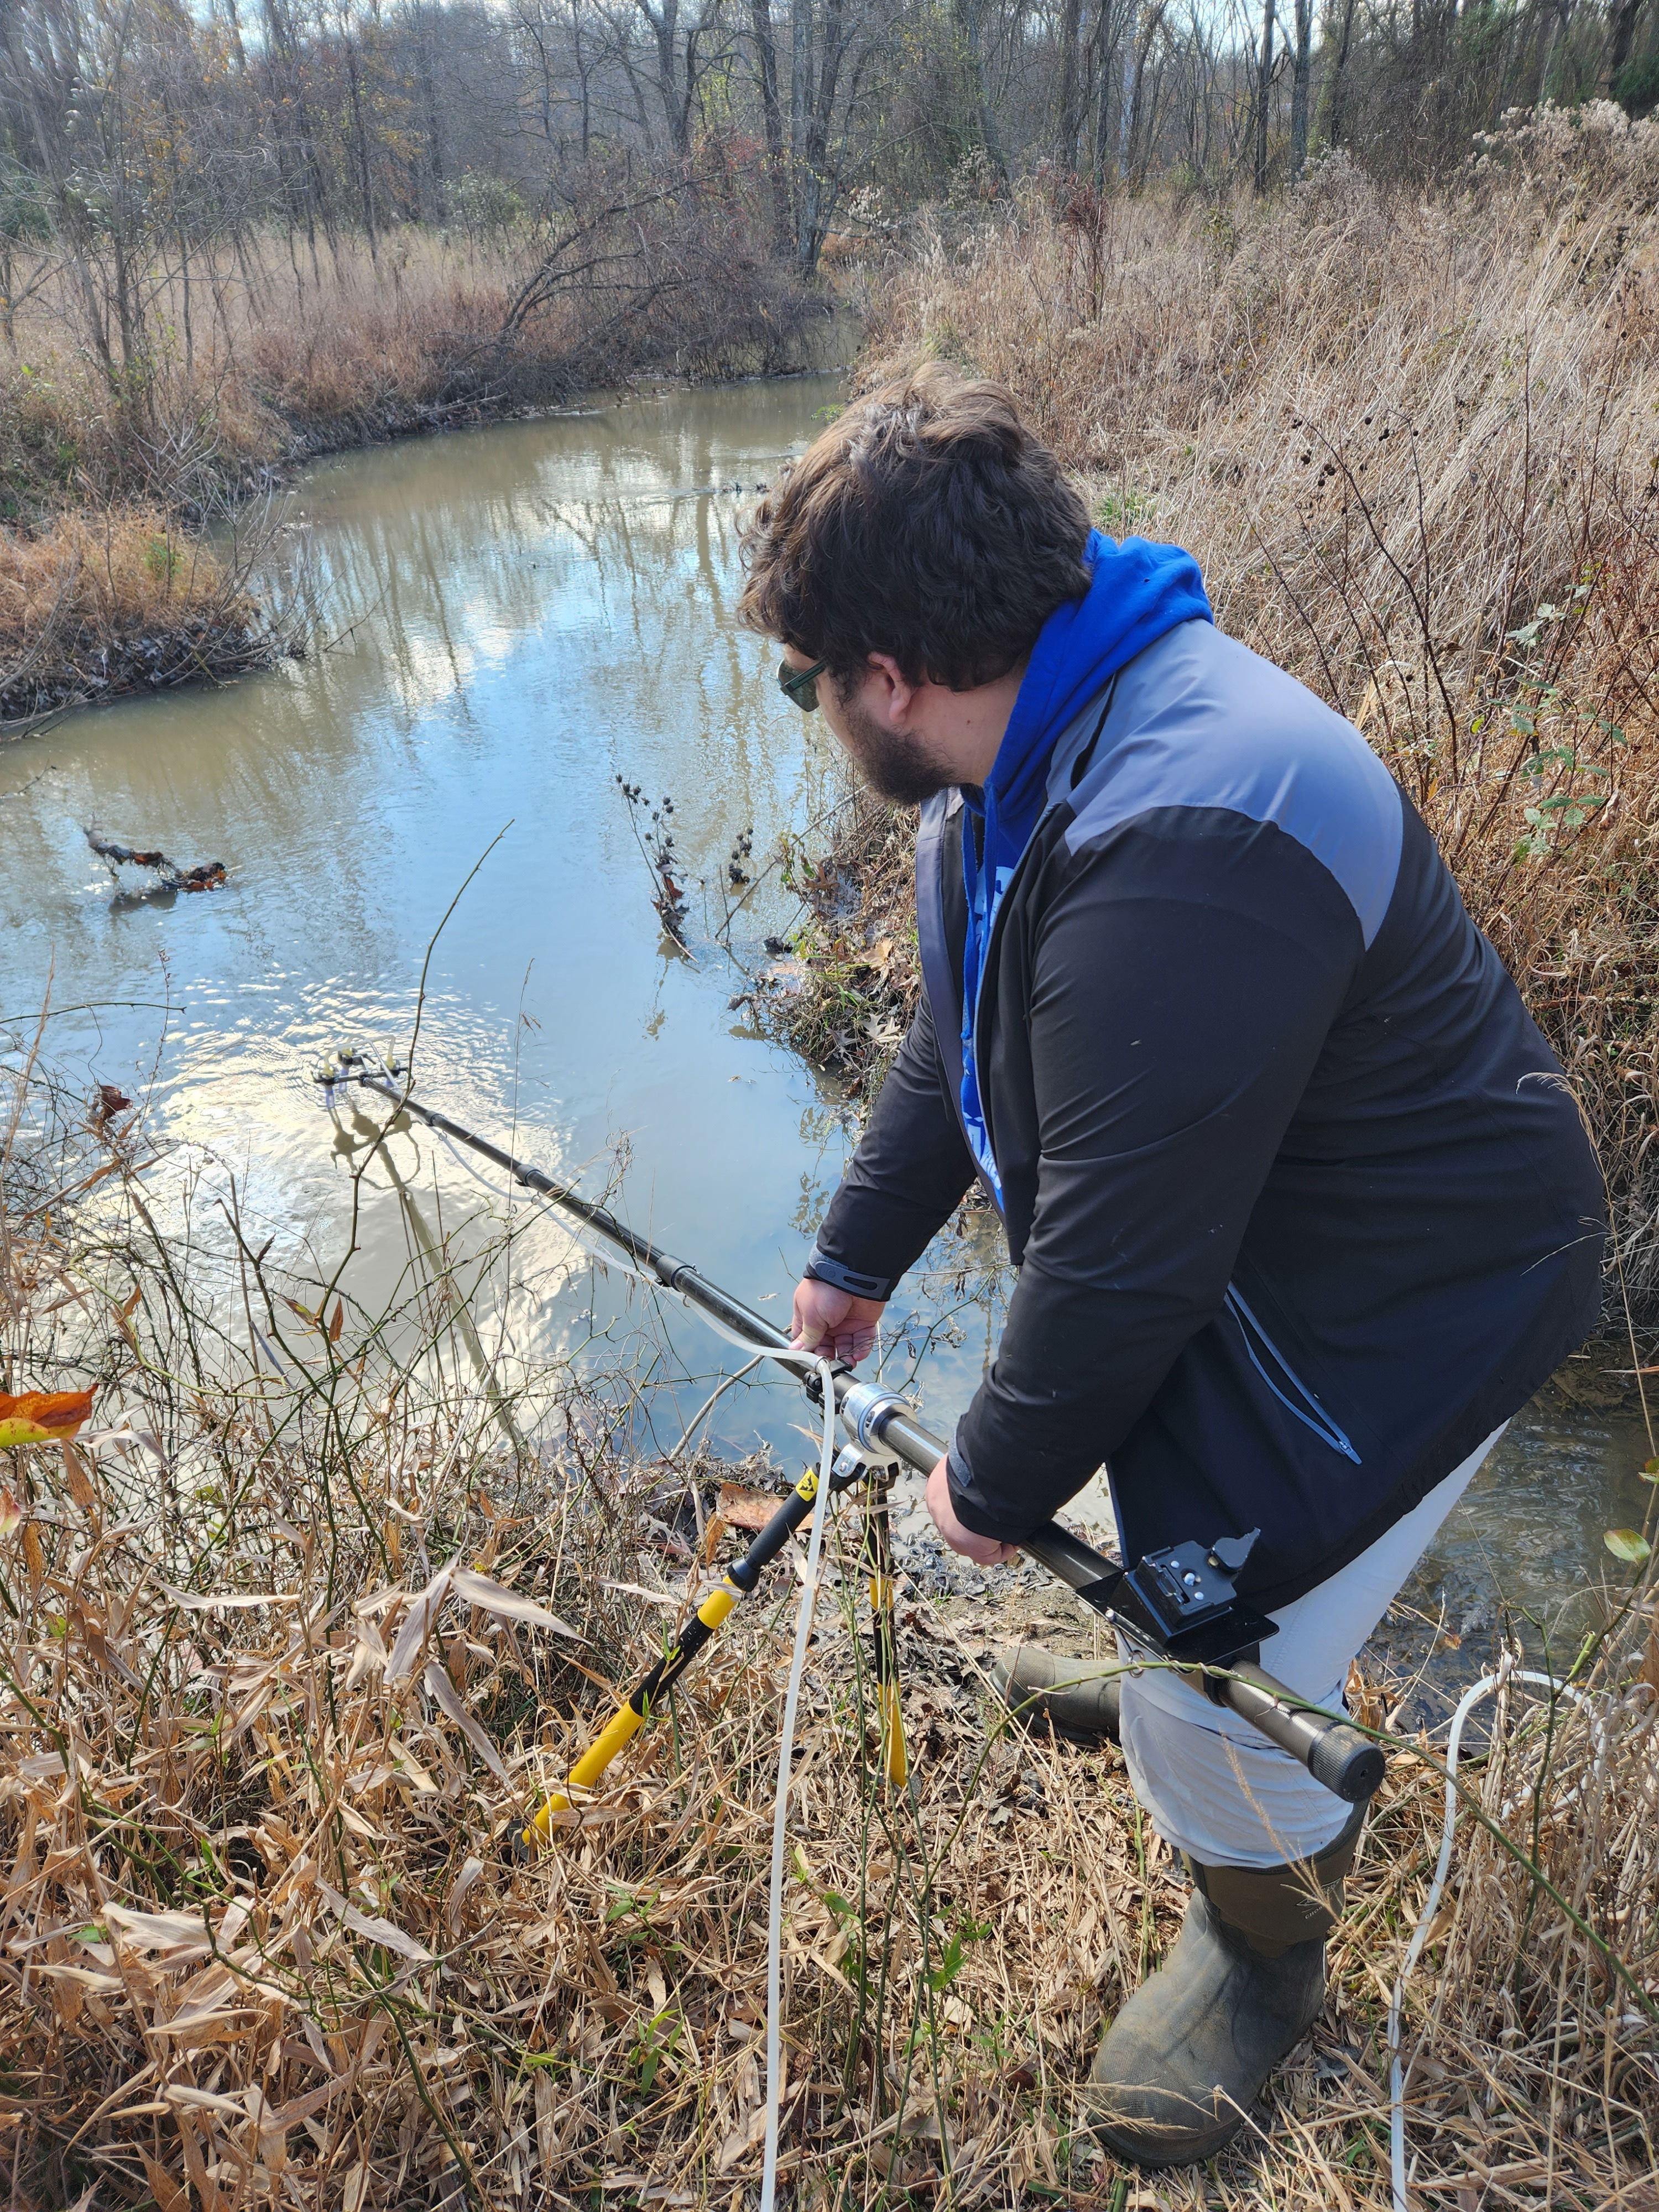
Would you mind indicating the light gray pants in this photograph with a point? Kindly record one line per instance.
(1217, 1789)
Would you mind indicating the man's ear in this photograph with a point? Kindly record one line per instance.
(887, 692)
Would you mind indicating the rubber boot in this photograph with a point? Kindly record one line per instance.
(1191, 2051)
(1079, 1695)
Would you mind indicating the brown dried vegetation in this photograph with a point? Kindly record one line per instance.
(107, 474)
(260, 1945)
(94, 604)
(1413, 443)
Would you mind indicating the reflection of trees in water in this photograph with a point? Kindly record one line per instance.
(612, 610)
(486, 538)
(509, 564)
(943, 1324)
(953, 1302)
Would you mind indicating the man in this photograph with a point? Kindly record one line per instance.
(1301, 1209)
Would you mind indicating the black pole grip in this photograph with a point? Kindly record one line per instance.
(1348, 1764)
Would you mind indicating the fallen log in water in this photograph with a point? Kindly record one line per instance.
(170, 877)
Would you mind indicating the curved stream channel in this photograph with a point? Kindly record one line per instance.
(517, 617)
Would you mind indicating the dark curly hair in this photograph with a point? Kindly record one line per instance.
(926, 522)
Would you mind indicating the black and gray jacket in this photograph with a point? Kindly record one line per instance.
(1300, 1205)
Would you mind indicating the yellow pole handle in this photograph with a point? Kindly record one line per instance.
(625, 1723)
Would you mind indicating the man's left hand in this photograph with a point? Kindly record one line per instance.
(984, 1551)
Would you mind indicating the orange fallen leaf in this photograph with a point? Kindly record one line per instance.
(749, 1509)
(42, 1417)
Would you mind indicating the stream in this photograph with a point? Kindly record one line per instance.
(511, 620)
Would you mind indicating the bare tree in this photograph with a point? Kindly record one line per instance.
(1556, 17)
(1264, 86)
(765, 51)
(1339, 41)
(1621, 36)
(1300, 84)
(968, 30)
(1071, 104)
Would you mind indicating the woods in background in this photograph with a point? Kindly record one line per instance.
(186, 192)
(141, 134)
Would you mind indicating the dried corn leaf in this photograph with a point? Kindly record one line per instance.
(439, 1686)
(493, 1597)
(376, 1930)
(416, 1626)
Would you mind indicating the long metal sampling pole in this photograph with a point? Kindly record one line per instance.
(1335, 1754)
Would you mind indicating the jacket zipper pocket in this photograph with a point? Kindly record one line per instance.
(1295, 1397)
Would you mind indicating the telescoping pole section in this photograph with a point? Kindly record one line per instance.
(882, 1425)
(628, 1719)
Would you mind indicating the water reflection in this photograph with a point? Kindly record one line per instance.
(509, 620)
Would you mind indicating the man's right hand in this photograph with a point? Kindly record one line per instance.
(832, 1322)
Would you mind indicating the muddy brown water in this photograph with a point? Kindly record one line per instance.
(510, 620)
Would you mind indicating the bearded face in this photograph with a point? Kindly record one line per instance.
(898, 765)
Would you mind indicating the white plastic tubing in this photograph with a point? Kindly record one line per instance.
(1467, 1703)
(781, 1803)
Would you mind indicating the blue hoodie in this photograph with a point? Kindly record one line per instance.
(1139, 591)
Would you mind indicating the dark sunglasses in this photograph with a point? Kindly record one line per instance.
(801, 684)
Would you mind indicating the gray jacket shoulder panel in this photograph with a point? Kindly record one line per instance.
(1199, 720)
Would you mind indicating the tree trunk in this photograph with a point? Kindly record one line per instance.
(803, 196)
(800, 75)
(1108, 31)
(1500, 83)
(1125, 106)
(1133, 130)
(1070, 26)
(427, 75)
(813, 204)
(361, 135)
(766, 68)
(1626, 15)
(1336, 86)
(313, 200)
(584, 78)
(990, 137)
(1300, 84)
(1554, 29)
(676, 109)
(1264, 86)
(234, 26)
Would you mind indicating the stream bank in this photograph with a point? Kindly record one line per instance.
(524, 614)
(136, 526)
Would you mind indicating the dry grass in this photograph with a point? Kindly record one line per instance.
(414, 338)
(95, 605)
(259, 1944)
(849, 1008)
(1413, 443)
(295, 350)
